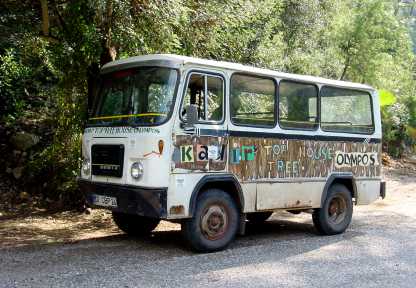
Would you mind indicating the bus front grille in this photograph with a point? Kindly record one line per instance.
(107, 160)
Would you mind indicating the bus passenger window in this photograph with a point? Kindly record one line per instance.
(298, 107)
(345, 110)
(252, 101)
(210, 108)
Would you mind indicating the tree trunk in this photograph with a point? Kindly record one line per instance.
(45, 17)
(347, 59)
(109, 52)
(346, 66)
(93, 78)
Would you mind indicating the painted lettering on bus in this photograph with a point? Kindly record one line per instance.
(119, 130)
(276, 149)
(321, 153)
(289, 168)
(210, 152)
(344, 159)
(243, 153)
(187, 154)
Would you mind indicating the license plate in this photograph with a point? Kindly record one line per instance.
(105, 201)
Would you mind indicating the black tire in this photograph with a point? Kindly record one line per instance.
(335, 215)
(258, 217)
(214, 224)
(135, 225)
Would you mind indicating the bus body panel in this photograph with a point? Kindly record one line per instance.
(287, 168)
(250, 197)
(291, 195)
(276, 168)
(140, 144)
(368, 191)
(180, 191)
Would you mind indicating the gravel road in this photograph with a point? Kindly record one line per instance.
(379, 250)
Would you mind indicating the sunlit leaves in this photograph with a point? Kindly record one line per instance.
(386, 97)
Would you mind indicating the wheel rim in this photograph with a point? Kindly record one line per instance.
(337, 209)
(214, 222)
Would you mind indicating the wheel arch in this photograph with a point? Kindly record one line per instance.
(226, 182)
(346, 179)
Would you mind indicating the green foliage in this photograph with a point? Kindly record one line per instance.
(395, 119)
(13, 77)
(386, 98)
(44, 79)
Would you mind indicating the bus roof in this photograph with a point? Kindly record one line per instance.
(175, 61)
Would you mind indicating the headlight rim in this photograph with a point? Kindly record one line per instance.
(138, 171)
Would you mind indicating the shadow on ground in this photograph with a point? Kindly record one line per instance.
(73, 229)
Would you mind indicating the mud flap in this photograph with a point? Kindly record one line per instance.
(383, 189)
(242, 226)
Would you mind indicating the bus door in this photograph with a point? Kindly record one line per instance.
(202, 147)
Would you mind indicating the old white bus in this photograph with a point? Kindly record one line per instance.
(214, 145)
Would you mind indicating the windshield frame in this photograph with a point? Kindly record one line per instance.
(97, 97)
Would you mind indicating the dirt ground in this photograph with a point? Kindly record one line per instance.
(64, 227)
(70, 249)
(70, 227)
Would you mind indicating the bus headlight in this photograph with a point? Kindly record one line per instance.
(86, 166)
(136, 170)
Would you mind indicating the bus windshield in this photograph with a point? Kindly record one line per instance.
(139, 96)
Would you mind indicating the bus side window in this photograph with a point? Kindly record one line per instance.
(298, 107)
(346, 110)
(207, 92)
(252, 101)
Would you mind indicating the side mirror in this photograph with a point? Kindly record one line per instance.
(191, 117)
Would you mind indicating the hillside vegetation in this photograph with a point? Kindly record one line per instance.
(51, 52)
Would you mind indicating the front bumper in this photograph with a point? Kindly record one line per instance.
(149, 202)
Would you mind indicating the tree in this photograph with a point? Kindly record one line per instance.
(51, 52)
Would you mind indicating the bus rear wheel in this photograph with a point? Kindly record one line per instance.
(214, 224)
(135, 225)
(335, 215)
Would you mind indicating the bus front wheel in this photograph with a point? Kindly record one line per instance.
(335, 215)
(135, 225)
(214, 223)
